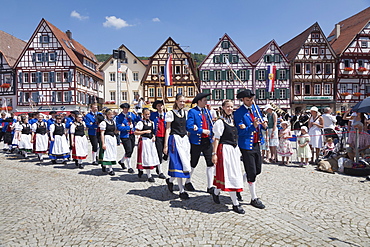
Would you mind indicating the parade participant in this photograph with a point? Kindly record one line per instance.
(24, 138)
(226, 157)
(158, 118)
(316, 123)
(2, 124)
(40, 138)
(108, 152)
(59, 148)
(285, 149)
(9, 133)
(247, 120)
(177, 146)
(147, 156)
(79, 141)
(52, 118)
(33, 117)
(125, 124)
(92, 125)
(199, 125)
(304, 150)
(16, 127)
(273, 135)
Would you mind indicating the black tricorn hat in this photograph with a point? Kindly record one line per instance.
(154, 105)
(245, 93)
(75, 112)
(199, 97)
(52, 112)
(125, 105)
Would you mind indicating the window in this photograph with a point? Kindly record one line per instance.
(308, 68)
(177, 69)
(218, 75)
(190, 91)
(38, 57)
(218, 94)
(59, 97)
(59, 77)
(347, 63)
(355, 88)
(45, 77)
(225, 57)
(67, 97)
(363, 44)
(262, 94)
(261, 75)
(112, 95)
(33, 76)
(298, 69)
(225, 44)
(314, 50)
(123, 76)
(234, 59)
(229, 75)
(112, 77)
(277, 58)
(135, 76)
(151, 92)
(307, 51)
(162, 69)
(272, 95)
(328, 69)
(124, 95)
(297, 89)
(343, 88)
(154, 70)
(322, 51)
(327, 89)
(52, 57)
(205, 75)
(317, 89)
(135, 61)
(282, 74)
(169, 92)
(360, 63)
(216, 59)
(26, 97)
(283, 94)
(65, 76)
(35, 97)
(230, 93)
(185, 69)
(26, 77)
(169, 49)
(268, 58)
(243, 75)
(307, 89)
(159, 92)
(318, 68)
(44, 39)
(180, 90)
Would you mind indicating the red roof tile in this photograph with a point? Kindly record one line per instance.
(11, 47)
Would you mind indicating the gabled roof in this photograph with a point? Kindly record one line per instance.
(72, 51)
(292, 47)
(258, 55)
(120, 48)
(225, 37)
(11, 47)
(349, 28)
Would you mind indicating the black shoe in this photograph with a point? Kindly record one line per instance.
(210, 190)
(111, 173)
(81, 166)
(238, 209)
(216, 198)
(157, 170)
(95, 163)
(76, 163)
(103, 168)
(130, 170)
(239, 196)
(122, 165)
(162, 176)
(184, 196)
(189, 187)
(169, 185)
(53, 161)
(140, 173)
(257, 203)
(65, 162)
(165, 157)
(151, 179)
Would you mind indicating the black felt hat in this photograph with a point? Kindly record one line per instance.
(154, 105)
(52, 112)
(199, 97)
(125, 105)
(245, 93)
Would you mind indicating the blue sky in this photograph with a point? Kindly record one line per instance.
(143, 25)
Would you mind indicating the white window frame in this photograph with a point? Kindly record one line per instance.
(218, 94)
(26, 77)
(180, 90)
(112, 76)
(59, 96)
(190, 91)
(314, 50)
(170, 92)
(177, 69)
(308, 71)
(45, 77)
(33, 77)
(343, 88)
(151, 92)
(154, 70)
(58, 77)
(262, 94)
(282, 74)
(261, 74)
(243, 75)
(364, 44)
(205, 75)
(317, 89)
(112, 95)
(124, 95)
(283, 93)
(135, 76)
(320, 68)
(159, 92)
(327, 89)
(217, 75)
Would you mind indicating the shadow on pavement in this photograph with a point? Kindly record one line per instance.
(129, 177)
(203, 203)
(159, 193)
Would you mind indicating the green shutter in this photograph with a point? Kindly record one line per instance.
(278, 74)
(287, 93)
(213, 94)
(287, 74)
(230, 58)
(230, 93)
(211, 75)
(222, 94)
(214, 58)
(206, 91)
(257, 74)
(223, 75)
(248, 75)
(201, 75)
(277, 93)
(20, 77)
(266, 75)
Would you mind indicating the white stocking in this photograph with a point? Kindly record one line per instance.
(160, 168)
(210, 176)
(233, 198)
(181, 186)
(148, 173)
(188, 180)
(252, 189)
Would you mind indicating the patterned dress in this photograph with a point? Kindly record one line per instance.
(285, 146)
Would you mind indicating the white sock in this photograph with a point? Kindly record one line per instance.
(210, 176)
(181, 186)
(172, 179)
(252, 189)
(148, 173)
(217, 191)
(233, 198)
(245, 177)
(110, 168)
(123, 159)
(80, 161)
(40, 156)
(128, 160)
(25, 154)
(160, 168)
(188, 180)
(94, 156)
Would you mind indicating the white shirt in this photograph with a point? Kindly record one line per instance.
(329, 121)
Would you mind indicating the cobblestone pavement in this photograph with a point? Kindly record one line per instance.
(58, 205)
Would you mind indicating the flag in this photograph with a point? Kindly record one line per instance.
(227, 62)
(271, 78)
(168, 71)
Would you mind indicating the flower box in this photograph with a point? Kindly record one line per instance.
(5, 85)
(348, 69)
(344, 94)
(357, 94)
(362, 69)
(7, 108)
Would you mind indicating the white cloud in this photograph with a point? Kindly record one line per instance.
(118, 23)
(156, 19)
(77, 15)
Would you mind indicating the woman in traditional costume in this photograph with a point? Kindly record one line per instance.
(40, 138)
(25, 145)
(79, 141)
(108, 152)
(59, 148)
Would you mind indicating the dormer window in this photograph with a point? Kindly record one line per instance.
(225, 44)
(169, 49)
(314, 51)
(44, 39)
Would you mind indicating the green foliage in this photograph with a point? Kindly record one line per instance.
(102, 57)
(198, 57)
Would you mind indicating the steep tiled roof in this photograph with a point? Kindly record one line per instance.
(292, 47)
(348, 30)
(255, 57)
(11, 47)
(145, 62)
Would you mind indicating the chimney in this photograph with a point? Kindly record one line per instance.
(69, 34)
(337, 30)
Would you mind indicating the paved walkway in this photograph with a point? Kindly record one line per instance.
(58, 205)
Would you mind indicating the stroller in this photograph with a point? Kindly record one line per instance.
(339, 137)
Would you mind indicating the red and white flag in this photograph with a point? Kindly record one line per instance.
(271, 78)
(168, 71)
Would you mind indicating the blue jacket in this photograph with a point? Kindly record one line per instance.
(154, 116)
(50, 122)
(91, 123)
(122, 123)
(69, 121)
(195, 118)
(245, 136)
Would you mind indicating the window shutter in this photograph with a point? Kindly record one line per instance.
(248, 75)
(230, 93)
(39, 77)
(213, 94)
(201, 75)
(214, 58)
(70, 96)
(40, 39)
(211, 75)
(278, 74)
(287, 93)
(47, 57)
(277, 93)
(223, 75)
(265, 58)
(230, 58)
(53, 99)
(34, 57)
(47, 39)
(20, 77)
(206, 91)
(237, 73)
(266, 75)
(287, 74)
(70, 77)
(52, 76)
(21, 97)
(222, 94)
(257, 70)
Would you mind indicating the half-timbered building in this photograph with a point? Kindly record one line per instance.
(128, 72)
(55, 72)
(10, 49)
(271, 66)
(312, 69)
(225, 71)
(184, 74)
(350, 40)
